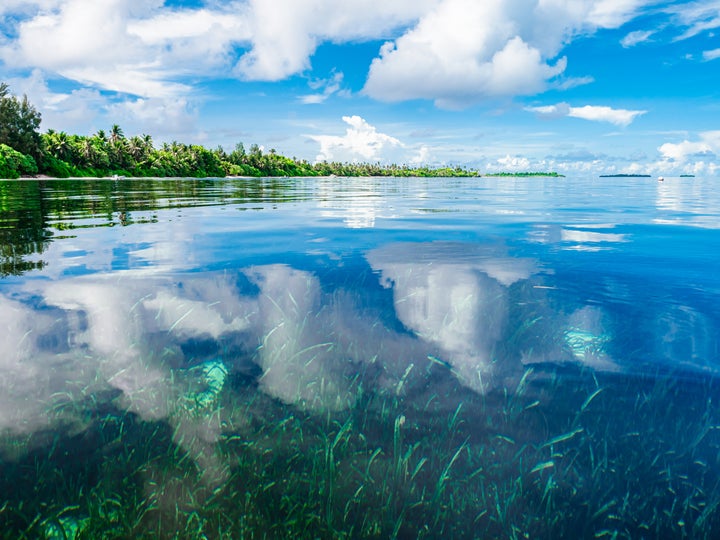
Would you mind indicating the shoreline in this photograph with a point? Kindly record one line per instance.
(237, 177)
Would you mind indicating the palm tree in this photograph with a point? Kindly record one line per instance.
(118, 153)
(58, 144)
(116, 133)
(87, 151)
(148, 142)
(136, 148)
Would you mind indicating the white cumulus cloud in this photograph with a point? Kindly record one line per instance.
(286, 33)
(454, 52)
(457, 54)
(510, 163)
(138, 48)
(463, 51)
(707, 146)
(361, 142)
(596, 113)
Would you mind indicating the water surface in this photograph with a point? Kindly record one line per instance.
(484, 357)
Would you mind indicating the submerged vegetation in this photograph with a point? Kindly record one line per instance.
(553, 456)
(26, 152)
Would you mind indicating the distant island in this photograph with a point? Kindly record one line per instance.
(522, 174)
(622, 175)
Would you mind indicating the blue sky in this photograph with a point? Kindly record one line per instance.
(576, 86)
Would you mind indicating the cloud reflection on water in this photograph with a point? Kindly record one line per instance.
(145, 339)
(131, 337)
(132, 333)
(687, 201)
(455, 297)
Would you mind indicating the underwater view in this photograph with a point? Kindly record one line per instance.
(360, 358)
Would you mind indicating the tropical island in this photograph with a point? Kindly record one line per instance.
(25, 152)
(625, 175)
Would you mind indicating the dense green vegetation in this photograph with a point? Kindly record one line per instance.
(19, 124)
(13, 163)
(110, 154)
(524, 174)
(26, 152)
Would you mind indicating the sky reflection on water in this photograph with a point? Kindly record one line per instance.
(447, 259)
(321, 291)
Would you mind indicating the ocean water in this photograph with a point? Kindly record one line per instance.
(360, 358)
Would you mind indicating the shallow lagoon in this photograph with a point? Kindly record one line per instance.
(483, 357)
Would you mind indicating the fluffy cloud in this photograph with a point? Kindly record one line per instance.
(361, 142)
(61, 111)
(464, 51)
(707, 147)
(513, 43)
(150, 51)
(286, 32)
(472, 49)
(453, 52)
(459, 52)
(510, 163)
(138, 48)
(597, 113)
(87, 43)
(698, 156)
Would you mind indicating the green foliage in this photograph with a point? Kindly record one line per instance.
(103, 155)
(106, 155)
(241, 170)
(53, 166)
(13, 164)
(525, 174)
(19, 124)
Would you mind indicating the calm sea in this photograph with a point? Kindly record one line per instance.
(360, 358)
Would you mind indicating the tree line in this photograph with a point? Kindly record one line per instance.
(24, 151)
